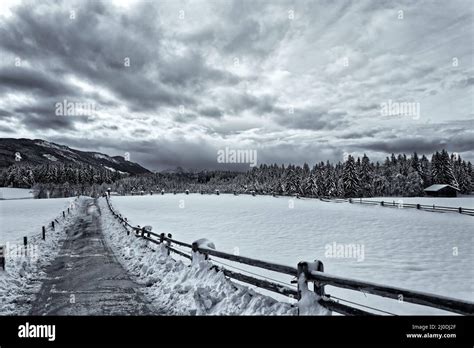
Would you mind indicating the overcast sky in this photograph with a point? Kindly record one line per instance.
(174, 81)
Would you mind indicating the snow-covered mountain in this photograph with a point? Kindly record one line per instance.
(37, 151)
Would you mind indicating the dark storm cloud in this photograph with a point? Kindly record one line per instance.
(248, 35)
(30, 80)
(210, 111)
(6, 129)
(406, 145)
(153, 154)
(99, 52)
(41, 122)
(313, 119)
(460, 143)
(42, 115)
(237, 103)
(33, 118)
(190, 70)
(184, 118)
(370, 107)
(370, 133)
(5, 114)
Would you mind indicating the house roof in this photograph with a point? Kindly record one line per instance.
(437, 187)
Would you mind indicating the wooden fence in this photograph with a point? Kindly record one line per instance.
(427, 207)
(303, 271)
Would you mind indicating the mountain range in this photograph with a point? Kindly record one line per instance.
(37, 152)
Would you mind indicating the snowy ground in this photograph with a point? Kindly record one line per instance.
(15, 193)
(23, 272)
(178, 288)
(419, 250)
(25, 217)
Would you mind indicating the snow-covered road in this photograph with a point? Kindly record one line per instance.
(86, 278)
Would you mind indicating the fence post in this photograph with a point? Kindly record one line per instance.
(319, 289)
(418, 206)
(350, 200)
(64, 214)
(68, 211)
(52, 225)
(2, 256)
(169, 242)
(44, 233)
(25, 243)
(302, 268)
(194, 248)
(162, 237)
(382, 203)
(460, 210)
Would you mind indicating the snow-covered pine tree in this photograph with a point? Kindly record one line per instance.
(366, 177)
(436, 169)
(424, 172)
(349, 178)
(463, 177)
(445, 170)
(413, 184)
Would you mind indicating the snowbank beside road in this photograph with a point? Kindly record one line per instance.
(182, 289)
(23, 272)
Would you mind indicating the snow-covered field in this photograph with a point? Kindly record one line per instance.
(15, 193)
(177, 289)
(431, 252)
(25, 217)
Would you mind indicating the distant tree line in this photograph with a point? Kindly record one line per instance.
(355, 177)
(58, 179)
(396, 176)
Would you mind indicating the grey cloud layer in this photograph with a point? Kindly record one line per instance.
(204, 75)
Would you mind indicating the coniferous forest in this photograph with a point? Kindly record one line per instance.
(398, 175)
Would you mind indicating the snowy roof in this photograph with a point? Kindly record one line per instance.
(437, 187)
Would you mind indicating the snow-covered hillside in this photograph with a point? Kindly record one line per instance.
(418, 250)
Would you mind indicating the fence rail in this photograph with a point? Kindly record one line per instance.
(303, 273)
(427, 207)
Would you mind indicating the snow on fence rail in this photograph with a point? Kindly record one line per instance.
(44, 229)
(427, 207)
(304, 272)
